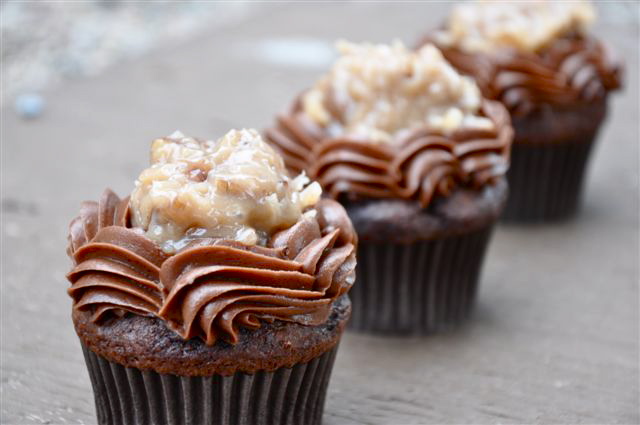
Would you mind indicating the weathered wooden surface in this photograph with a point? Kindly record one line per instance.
(554, 338)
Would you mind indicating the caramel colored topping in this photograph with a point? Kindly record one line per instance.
(235, 188)
(485, 26)
(381, 92)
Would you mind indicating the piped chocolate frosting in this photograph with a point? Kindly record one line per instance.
(211, 287)
(574, 68)
(420, 166)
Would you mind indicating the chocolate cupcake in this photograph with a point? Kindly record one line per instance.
(216, 293)
(538, 60)
(417, 157)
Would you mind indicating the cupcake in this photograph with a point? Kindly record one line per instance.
(538, 60)
(216, 292)
(417, 157)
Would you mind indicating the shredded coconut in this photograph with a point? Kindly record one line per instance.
(379, 92)
(235, 188)
(485, 26)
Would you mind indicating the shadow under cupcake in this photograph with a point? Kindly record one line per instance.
(538, 59)
(417, 157)
(216, 293)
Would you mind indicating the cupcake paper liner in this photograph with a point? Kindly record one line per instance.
(417, 288)
(286, 396)
(545, 181)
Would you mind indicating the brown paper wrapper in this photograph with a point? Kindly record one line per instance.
(286, 396)
(417, 288)
(545, 181)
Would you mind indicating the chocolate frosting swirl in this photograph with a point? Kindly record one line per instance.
(574, 68)
(421, 166)
(212, 287)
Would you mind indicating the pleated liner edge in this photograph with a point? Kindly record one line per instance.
(286, 396)
(417, 288)
(546, 181)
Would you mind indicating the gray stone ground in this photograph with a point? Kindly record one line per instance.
(45, 43)
(554, 338)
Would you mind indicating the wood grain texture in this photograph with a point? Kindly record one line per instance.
(554, 338)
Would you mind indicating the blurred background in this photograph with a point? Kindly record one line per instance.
(45, 43)
(87, 85)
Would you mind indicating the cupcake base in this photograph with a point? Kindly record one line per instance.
(418, 269)
(144, 373)
(549, 158)
(417, 288)
(546, 181)
(293, 395)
